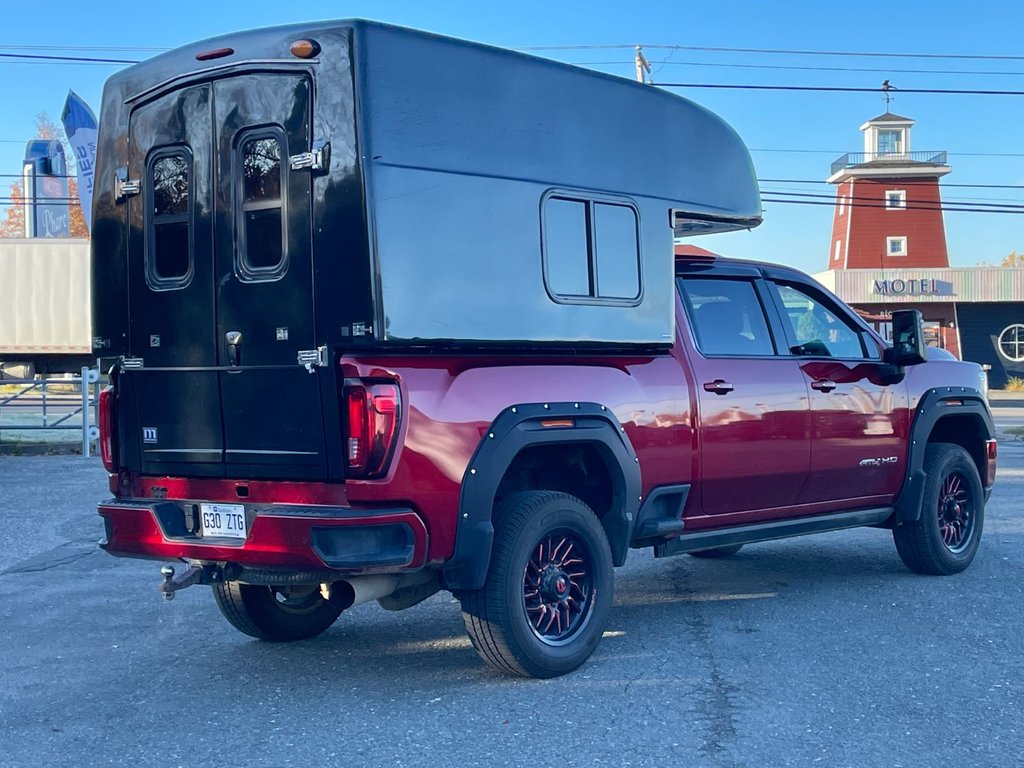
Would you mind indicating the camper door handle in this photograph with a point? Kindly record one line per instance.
(234, 339)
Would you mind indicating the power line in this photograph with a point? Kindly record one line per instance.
(774, 51)
(79, 48)
(842, 89)
(921, 204)
(943, 209)
(889, 71)
(953, 153)
(76, 59)
(907, 183)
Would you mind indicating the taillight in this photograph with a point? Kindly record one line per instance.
(107, 425)
(373, 413)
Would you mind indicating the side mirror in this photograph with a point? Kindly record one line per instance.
(908, 347)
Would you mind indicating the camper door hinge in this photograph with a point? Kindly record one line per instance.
(123, 186)
(313, 358)
(316, 160)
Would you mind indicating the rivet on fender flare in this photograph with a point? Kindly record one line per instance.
(603, 408)
(472, 471)
(490, 435)
(546, 406)
(575, 405)
(513, 409)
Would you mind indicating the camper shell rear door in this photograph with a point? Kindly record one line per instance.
(220, 281)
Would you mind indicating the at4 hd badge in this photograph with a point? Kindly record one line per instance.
(149, 434)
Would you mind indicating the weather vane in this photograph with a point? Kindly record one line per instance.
(887, 93)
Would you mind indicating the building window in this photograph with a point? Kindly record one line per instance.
(838, 250)
(890, 142)
(895, 199)
(842, 204)
(1011, 342)
(591, 251)
(896, 246)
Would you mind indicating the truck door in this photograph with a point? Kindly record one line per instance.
(220, 273)
(264, 278)
(753, 417)
(175, 419)
(859, 422)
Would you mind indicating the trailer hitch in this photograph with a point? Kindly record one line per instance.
(194, 574)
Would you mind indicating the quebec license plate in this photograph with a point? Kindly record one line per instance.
(225, 521)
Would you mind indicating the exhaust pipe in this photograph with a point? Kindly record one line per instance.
(362, 589)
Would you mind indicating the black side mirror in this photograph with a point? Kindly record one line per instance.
(908, 347)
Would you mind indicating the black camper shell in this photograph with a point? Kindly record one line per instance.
(270, 199)
(459, 189)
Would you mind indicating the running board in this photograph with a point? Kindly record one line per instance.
(777, 529)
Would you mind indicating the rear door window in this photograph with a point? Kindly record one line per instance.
(168, 199)
(260, 208)
(727, 317)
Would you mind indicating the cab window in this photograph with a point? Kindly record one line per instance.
(816, 329)
(727, 317)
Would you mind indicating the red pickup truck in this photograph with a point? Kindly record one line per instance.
(375, 334)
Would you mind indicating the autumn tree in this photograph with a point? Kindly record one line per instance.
(13, 223)
(1013, 259)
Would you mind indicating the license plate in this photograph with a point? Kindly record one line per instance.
(222, 521)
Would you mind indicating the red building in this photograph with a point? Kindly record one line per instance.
(888, 251)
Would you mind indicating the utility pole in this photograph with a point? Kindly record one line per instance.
(643, 67)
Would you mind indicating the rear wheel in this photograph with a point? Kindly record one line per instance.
(945, 538)
(543, 608)
(277, 614)
(717, 552)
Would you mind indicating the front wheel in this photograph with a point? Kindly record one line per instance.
(543, 608)
(945, 538)
(277, 614)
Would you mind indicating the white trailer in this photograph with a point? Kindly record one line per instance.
(45, 309)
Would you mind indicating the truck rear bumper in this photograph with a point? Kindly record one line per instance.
(304, 536)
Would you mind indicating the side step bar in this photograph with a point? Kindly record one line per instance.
(777, 529)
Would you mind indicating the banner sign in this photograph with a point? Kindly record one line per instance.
(80, 127)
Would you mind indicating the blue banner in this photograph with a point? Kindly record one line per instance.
(80, 127)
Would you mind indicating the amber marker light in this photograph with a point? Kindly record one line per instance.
(216, 53)
(554, 423)
(305, 49)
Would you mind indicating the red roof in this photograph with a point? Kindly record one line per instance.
(695, 250)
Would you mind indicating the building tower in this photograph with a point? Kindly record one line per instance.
(888, 212)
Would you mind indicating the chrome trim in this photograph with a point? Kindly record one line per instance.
(181, 450)
(274, 453)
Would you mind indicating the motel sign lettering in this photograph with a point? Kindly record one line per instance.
(912, 287)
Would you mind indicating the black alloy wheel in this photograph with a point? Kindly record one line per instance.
(945, 538)
(544, 605)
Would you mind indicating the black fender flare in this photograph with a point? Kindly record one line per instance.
(520, 426)
(934, 404)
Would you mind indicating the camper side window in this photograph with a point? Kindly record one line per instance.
(260, 205)
(168, 235)
(591, 251)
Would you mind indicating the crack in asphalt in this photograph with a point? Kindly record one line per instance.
(715, 705)
(65, 554)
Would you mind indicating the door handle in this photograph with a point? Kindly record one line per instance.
(718, 386)
(823, 385)
(234, 339)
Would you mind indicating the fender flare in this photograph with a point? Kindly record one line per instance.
(934, 404)
(519, 427)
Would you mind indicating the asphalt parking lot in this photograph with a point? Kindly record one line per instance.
(823, 650)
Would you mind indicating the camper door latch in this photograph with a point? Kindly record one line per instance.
(313, 358)
(123, 186)
(316, 160)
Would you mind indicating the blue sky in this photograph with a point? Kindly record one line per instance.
(983, 134)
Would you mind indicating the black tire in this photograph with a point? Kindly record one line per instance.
(717, 552)
(945, 538)
(549, 550)
(276, 614)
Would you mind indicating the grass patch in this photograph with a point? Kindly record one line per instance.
(1016, 432)
(1014, 384)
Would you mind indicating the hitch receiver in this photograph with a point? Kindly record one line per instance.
(194, 574)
